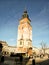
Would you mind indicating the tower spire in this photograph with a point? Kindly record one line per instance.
(25, 15)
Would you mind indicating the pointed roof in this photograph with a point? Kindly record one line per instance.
(25, 15)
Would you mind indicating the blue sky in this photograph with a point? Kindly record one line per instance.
(12, 10)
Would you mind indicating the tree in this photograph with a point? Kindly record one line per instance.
(43, 47)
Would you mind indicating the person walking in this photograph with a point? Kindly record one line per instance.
(21, 59)
(33, 62)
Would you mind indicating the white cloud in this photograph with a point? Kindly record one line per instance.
(12, 39)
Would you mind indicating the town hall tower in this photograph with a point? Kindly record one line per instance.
(24, 39)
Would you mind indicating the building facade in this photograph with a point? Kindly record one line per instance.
(7, 50)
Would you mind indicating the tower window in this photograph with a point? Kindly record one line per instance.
(20, 42)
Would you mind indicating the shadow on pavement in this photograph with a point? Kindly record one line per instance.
(46, 62)
(14, 61)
